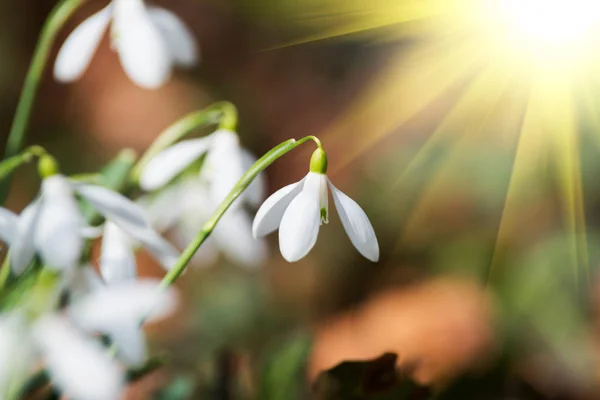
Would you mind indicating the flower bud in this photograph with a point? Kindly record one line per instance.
(318, 162)
(47, 166)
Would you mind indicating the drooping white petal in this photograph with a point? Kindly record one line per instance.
(76, 53)
(114, 206)
(8, 225)
(170, 162)
(130, 342)
(117, 258)
(301, 221)
(268, 216)
(58, 232)
(23, 247)
(143, 51)
(357, 225)
(255, 193)
(233, 234)
(224, 165)
(77, 365)
(164, 252)
(181, 42)
(111, 307)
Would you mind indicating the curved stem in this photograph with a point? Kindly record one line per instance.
(223, 113)
(238, 189)
(10, 164)
(16, 136)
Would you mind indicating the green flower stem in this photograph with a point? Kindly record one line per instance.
(16, 136)
(239, 188)
(223, 113)
(10, 164)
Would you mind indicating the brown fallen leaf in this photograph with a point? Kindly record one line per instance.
(438, 328)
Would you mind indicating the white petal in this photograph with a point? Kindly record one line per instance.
(8, 225)
(163, 209)
(58, 231)
(143, 51)
(170, 162)
(117, 258)
(268, 217)
(357, 225)
(164, 252)
(114, 206)
(255, 193)
(91, 232)
(180, 40)
(82, 281)
(16, 350)
(224, 165)
(77, 365)
(110, 308)
(130, 342)
(23, 247)
(76, 53)
(301, 221)
(233, 233)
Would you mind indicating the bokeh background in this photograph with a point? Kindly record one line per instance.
(472, 147)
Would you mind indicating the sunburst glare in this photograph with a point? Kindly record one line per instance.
(514, 74)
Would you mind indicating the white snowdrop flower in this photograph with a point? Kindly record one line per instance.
(225, 163)
(77, 365)
(53, 225)
(299, 209)
(149, 41)
(183, 208)
(118, 311)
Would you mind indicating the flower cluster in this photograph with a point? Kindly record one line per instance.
(85, 328)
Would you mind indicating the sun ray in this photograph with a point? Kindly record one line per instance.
(405, 88)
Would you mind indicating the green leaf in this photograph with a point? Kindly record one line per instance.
(283, 375)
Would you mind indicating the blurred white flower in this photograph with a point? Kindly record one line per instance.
(184, 207)
(53, 225)
(77, 364)
(149, 41)
(118, 311)
(299, 209)
(187, 204)
(225, 163)
(117, 258)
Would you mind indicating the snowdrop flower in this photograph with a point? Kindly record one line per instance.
(78, 364)
(225, 163)
(183, 208)
(299, 209)
(53, 224)
(149, 41)
(186, 205)
(119, 309)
